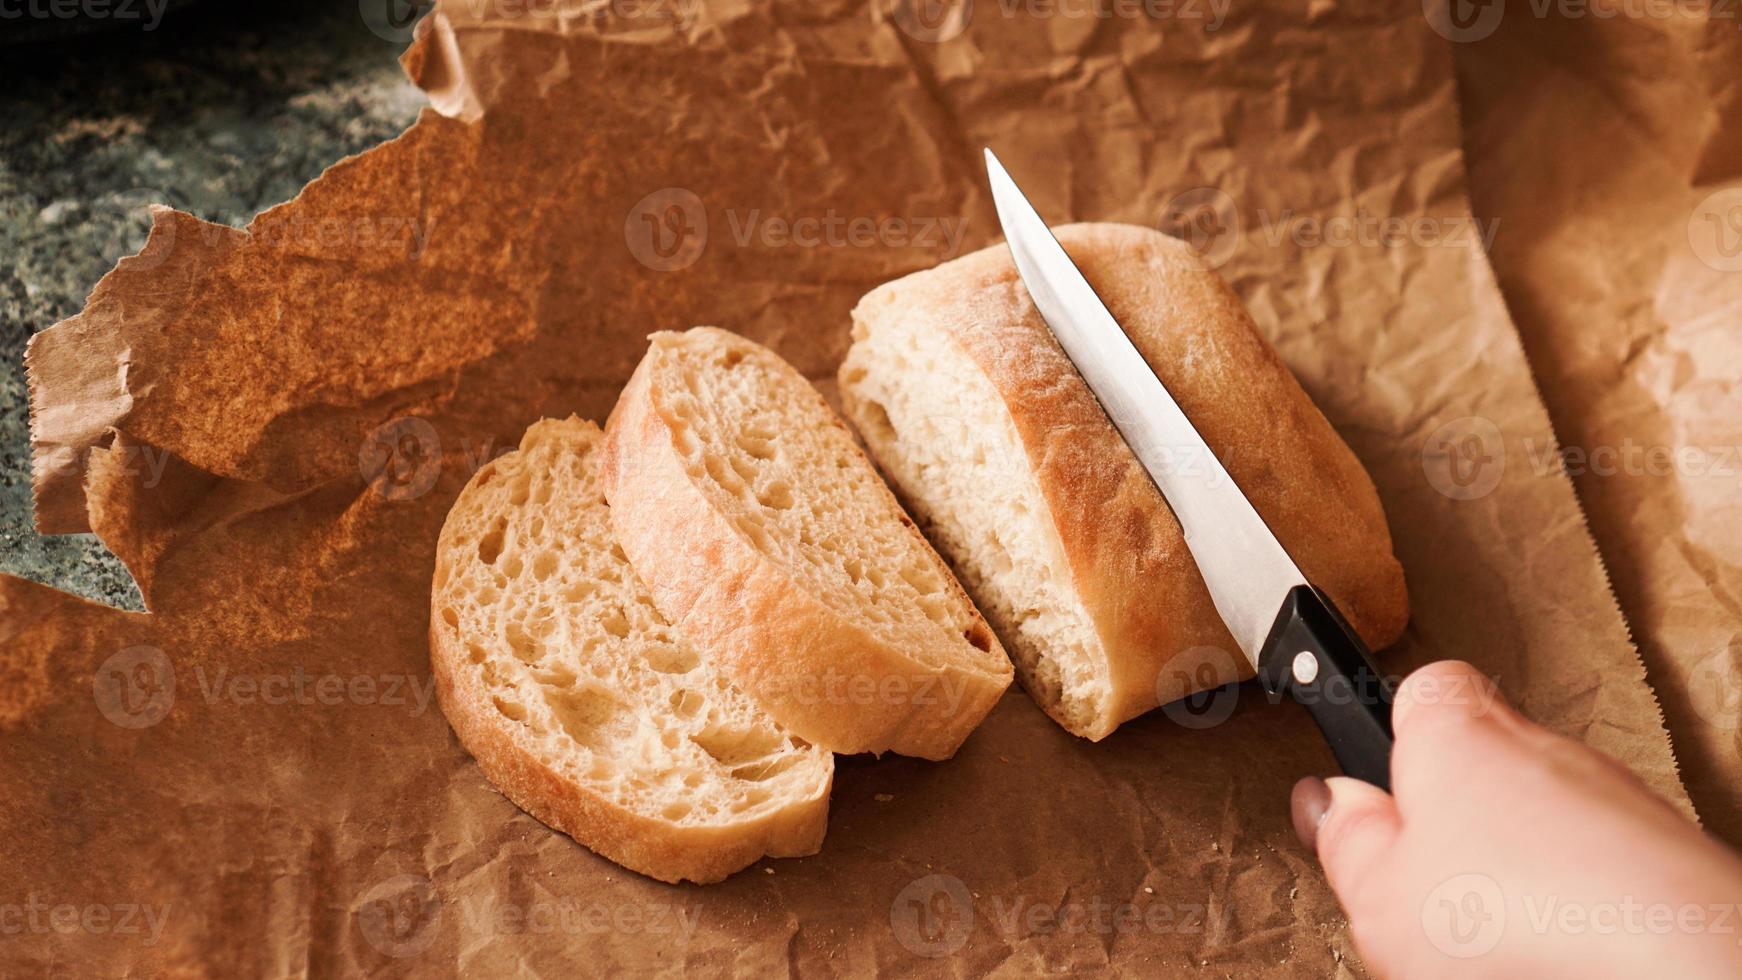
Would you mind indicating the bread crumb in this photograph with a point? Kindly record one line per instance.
(884, 797)
(1292, 892)
(1003, 758)
(1148, 890)
(767, 871)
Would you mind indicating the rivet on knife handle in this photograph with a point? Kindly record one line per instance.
(1313, 656)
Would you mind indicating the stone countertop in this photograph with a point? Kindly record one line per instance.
(219, 109)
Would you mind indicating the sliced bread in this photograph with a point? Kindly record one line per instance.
(581, 703)
(764, 533)
(985, 428)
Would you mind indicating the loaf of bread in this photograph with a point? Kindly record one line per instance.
(986, 429)
(586, 707)
(764, 533)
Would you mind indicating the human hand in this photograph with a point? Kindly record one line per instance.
(1507, 850)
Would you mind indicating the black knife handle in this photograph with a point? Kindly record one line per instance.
(1312, 655)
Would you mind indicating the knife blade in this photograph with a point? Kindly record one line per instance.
(1293, 635)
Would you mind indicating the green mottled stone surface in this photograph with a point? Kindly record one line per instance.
(222, 110)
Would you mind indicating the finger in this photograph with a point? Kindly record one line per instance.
(1459, 744)
(1446, 690)
(1355, 833)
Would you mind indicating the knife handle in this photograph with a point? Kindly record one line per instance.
(1312, 655)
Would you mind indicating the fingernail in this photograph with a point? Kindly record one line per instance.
(1307, 804)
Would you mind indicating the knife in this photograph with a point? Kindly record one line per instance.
(1297, 641)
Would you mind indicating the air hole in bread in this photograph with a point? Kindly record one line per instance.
(544, 565)
(776, 495)
(718, 472)
(979, 636)
(490, 545)
(734, 747)
(875, 419)
(925, 581)
(510, 709)
(744, 469)
(764, 769)
(756, 446)
(584, 711)
(557, 676)
(522, 646)
(615, 623)
(451, 616)
(673, 659)
(685, 703)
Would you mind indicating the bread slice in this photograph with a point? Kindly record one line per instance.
(581, 703)
(986, 429)
(764, 532)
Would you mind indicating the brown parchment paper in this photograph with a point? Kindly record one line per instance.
(1609, 149)
(268, 425)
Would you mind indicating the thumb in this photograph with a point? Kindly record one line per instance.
(1349, 823)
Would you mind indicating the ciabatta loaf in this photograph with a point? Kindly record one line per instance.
(766, 535)
(982, 423)
(581, 703)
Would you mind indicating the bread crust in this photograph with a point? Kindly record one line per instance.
(659, 848)
(827, 678)
(1127, 557)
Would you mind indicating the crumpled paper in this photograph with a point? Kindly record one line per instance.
(1621, 257)
(267, 425)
